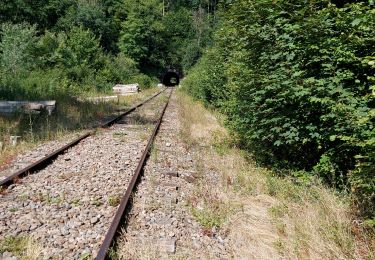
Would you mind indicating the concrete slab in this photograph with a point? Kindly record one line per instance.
(123, 89)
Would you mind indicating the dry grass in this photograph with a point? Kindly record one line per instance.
(136, 98)
(25, 248)
(198, 126)
(275, 217)
(70, 116)
(33, 250)
(9, 153)
(145, 249)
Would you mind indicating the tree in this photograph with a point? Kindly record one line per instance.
(17, 44)
(140, 36)
(299, 85)
(43, 13)
(90, 14)
(79, 52)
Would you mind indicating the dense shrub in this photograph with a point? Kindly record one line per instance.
(89, 45)
(90, 14)
(119, 69)
(68, 63)
(143, 80)
(206, 80)
(79, 48)
(300, 82)
(140, 35)
(16, 56)
(16, 45)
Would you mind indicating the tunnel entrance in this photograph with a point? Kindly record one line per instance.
(171, 78)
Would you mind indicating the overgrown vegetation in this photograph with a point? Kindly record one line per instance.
(72, 116)
(64, 50)
(67, 47)
(22, 247)
(260, 212)
(296, 81)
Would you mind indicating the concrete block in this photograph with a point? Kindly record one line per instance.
(12, 106)
(124, 89)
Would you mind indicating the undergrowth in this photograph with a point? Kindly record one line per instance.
(24, 248)
(306, 218)
(296, 82)
(70, 115)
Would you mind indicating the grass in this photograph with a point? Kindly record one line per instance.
(277, 217)
(13, 244)
(135, 99)
(76, 202)
(210, 217)
(97, 201)
(50, 199)
(114, 201)
(85, 256)
(120, 134)
(24, 248)
(71, 115)
(154, 152)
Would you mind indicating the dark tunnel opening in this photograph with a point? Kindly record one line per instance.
(171, 78)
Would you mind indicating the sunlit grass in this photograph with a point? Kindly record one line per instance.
(72, 114)
(287, 218)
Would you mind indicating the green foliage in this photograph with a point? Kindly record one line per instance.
(178, 33)
(206, 80)
(296, 80)
(207, 218)
(43, 13)
(16, 45)
(119, 69)
(90, 14)
(158, 34)
(143, 80)
(45, 50)
(362, 178)
(16, 245)
(89, 45)
(140, 33)
(79, 47)
(191, 54)
(70, 63)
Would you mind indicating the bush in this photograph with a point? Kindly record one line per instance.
(78, 48)
(143, 80)
(46, 49)
(300, 87)
(206, 81)
(119, 69)
(16, 45)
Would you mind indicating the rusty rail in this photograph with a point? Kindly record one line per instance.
(116, 119)
(40, 164)
(112, 231)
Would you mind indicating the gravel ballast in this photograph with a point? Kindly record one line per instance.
(68, 206)
(160, 224)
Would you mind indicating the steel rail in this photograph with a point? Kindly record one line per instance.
(112, 231)
(116, 119)
(40, 164)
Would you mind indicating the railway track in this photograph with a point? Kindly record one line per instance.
(69, 205)
(41, 163)
(125, 199)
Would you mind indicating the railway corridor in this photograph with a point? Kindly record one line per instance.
(68, 206)
(160, 224)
